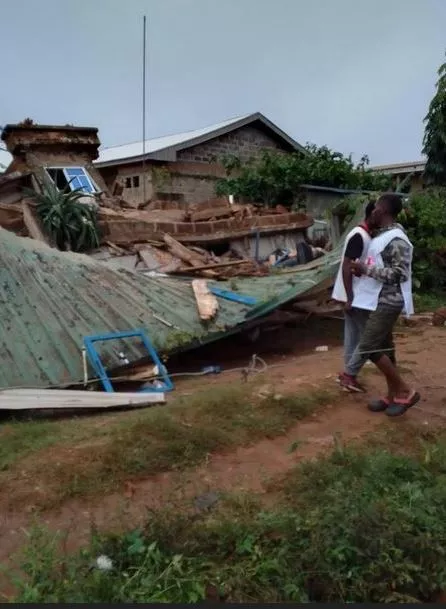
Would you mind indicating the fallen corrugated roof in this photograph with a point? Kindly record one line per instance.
(50, 300)
(177, 141)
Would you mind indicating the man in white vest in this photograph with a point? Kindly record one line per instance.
(385, 289)
(355, 248)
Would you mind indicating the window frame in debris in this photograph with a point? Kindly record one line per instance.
(82, 180)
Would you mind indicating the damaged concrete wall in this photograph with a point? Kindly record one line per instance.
(37, 146)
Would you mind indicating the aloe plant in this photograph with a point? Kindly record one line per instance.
(72, 225)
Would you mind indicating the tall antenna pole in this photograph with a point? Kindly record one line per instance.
(144, 111)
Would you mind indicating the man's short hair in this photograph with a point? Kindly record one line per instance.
(369, 209)
(393, 203)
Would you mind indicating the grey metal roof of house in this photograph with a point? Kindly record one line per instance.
(165, 148)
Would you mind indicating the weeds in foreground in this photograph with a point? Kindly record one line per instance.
(352, 527)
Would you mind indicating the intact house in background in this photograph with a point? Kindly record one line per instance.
(407, 175)
(185, 167)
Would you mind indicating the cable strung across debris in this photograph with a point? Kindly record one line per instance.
(257, 365)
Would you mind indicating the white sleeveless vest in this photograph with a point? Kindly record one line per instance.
(368, 289)
(339, 292)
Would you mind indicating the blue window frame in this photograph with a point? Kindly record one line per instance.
(74, 178)
(77, 177)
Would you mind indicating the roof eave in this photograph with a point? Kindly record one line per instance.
(170, 152)
(243, 122)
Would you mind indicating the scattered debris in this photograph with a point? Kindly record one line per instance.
(207, 303)
(31, 399)
(322, 349)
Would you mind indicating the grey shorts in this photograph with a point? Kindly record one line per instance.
(377, 338)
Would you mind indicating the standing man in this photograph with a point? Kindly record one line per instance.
(385, 289)
(355, 248)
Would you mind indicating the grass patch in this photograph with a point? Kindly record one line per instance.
(161, 439)
(361, 525)
(18, 439)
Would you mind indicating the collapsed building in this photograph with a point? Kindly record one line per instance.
(164, 265)
(69, 157)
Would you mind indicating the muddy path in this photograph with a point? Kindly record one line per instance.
(422, 357)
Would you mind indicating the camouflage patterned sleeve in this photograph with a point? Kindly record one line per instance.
(396, 258)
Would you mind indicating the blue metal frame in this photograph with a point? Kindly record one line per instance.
(228, 295)
(100, 371)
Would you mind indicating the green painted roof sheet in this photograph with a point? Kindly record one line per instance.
(50, 300)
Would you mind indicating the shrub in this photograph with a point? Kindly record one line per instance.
(425, 220)
(70, 224)
(275, 178)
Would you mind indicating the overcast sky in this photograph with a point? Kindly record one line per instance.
(356, 75)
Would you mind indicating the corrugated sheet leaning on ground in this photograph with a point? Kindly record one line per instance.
(50, 300)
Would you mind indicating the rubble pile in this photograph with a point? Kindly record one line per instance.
(215, 239)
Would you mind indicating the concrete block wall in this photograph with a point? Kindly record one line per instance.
(245, 143)
(192, 178)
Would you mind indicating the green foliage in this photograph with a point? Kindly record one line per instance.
(350, 205)
(425, 221)
(429, 301)
(275, 178)
(71, 225)
(434, 142)
(352, 527)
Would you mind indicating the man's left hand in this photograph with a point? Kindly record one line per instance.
(358, 268)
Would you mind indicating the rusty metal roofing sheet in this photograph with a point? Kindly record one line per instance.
(50, 300)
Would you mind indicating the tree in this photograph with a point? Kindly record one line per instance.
(275, 178)
(434, 141)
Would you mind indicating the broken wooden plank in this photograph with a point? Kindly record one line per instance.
(207, 267)
(119, 250)
(30, 399)
(138, 246)
(140, 374)
(207, 303)
(182, 252)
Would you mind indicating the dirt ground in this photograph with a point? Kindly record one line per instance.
(292, 362)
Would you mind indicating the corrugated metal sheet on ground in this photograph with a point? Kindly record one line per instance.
(50, 300)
